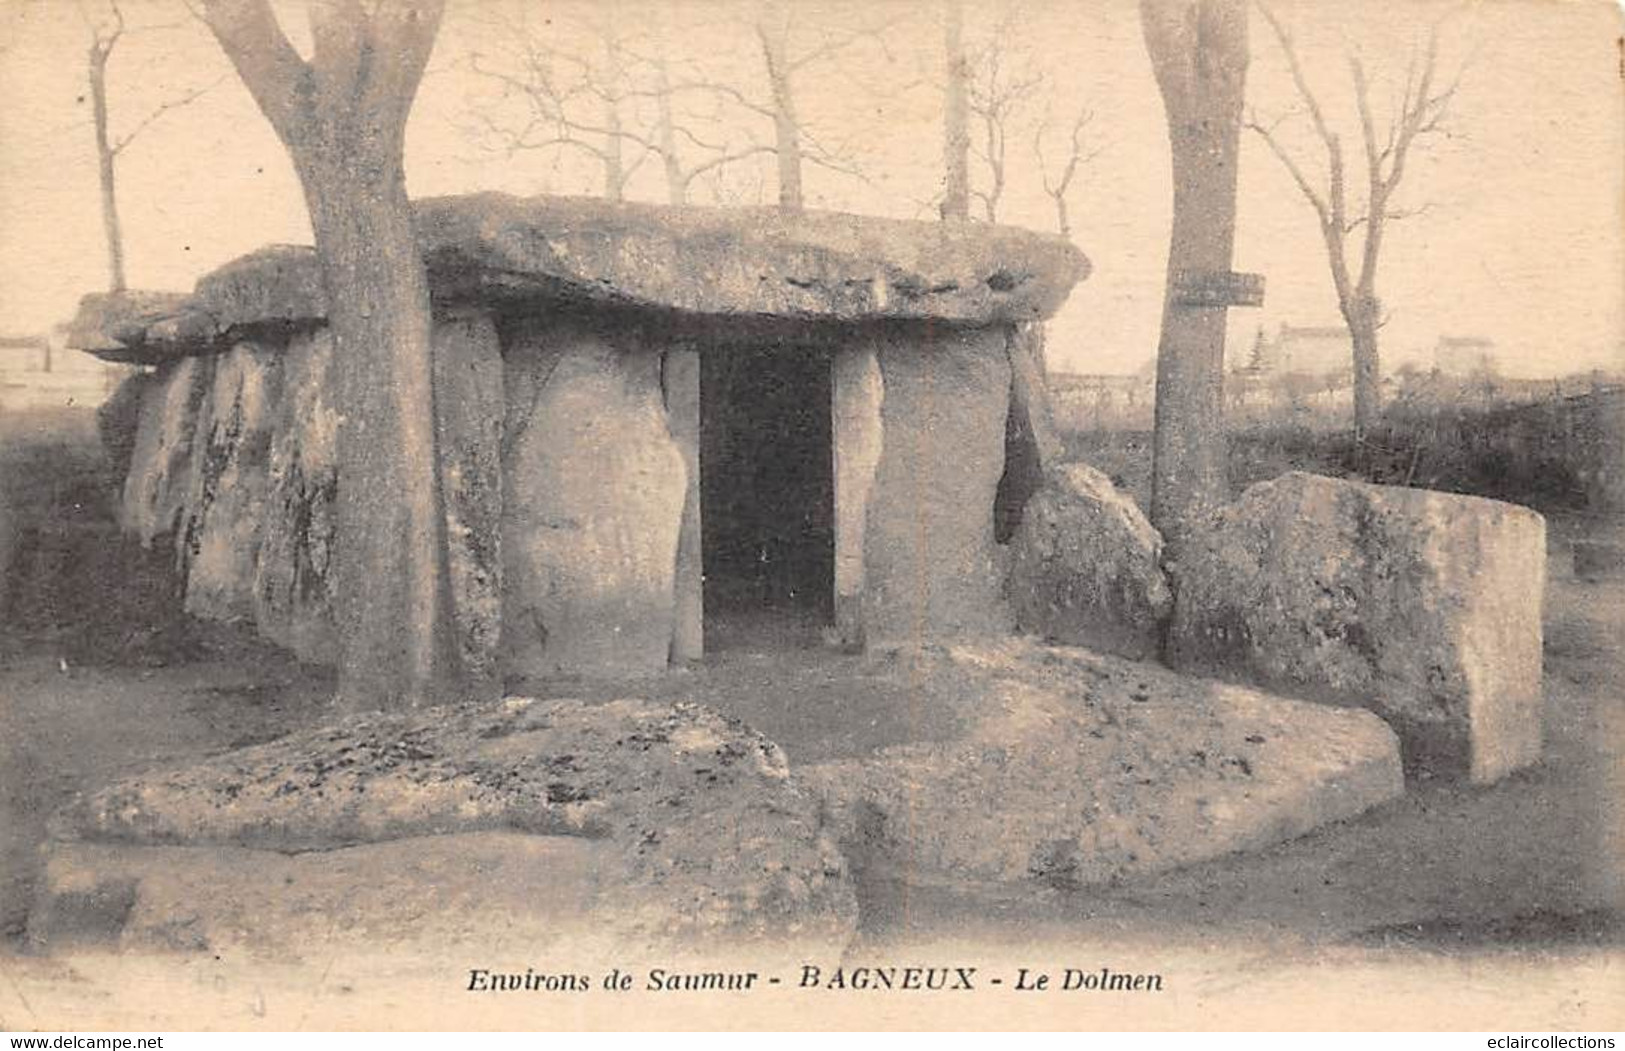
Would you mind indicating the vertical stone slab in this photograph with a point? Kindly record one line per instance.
(594, 491)
(680, 377)
(857, 391)
(1031, 445)
(932, 568)
(218, 543)
(294, 580)
(469, 410)
(1029, 387)
(156, 487)
(1422, 606)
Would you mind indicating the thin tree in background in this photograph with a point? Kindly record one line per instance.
(783, 61)
(1421, 111)
(999, 89)
(342, 117)
(1198, 50)
(105, 35)
(1077, 156)
(956, 113)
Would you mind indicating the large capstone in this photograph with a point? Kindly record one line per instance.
(492, 248)
(677, 826)
(1085, 567)
(933, 568)
(593, 504)
(1422, 606)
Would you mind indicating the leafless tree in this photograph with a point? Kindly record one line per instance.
(633, 100)
(956, 113)
(1000, 86)
(342, 117)
(576, 97)
(107, 27)
(784, 57)
(1198, 50)
(1077, 156)
(1422, 109)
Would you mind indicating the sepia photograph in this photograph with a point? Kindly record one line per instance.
(1086, 515)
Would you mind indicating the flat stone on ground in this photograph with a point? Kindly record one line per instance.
(698, 832)
(1073, 768)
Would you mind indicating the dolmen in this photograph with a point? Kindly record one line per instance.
(630, 399)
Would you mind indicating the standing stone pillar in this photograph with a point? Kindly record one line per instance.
(159, 477)
(932, 569)
(218, 543)
(468, 414)
(857, 392)
(681, 382)
(593, 504)
(294, 581)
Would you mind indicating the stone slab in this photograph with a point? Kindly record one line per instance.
(594, 499)
(1075, 768)
(491, 892)
(218, 543)
(294, 579)
(745, 262)
(1422, 606)
(700, 831)
(1085, 567)
(932, 566)
(469, 408)
(155, 490)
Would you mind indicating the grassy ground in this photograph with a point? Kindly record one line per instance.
(1507, 888)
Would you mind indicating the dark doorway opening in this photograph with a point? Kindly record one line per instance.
(767, 494)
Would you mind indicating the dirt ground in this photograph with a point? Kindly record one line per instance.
(1456, 901)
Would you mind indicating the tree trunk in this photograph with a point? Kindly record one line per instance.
(956, 114)
(666, 132)
(1198, 49)
(394, 601)
(1361, 316)
(786, 128)
(615, 146)
(614, 154)
(105, 156)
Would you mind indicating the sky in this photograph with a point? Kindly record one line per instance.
(1520, 239)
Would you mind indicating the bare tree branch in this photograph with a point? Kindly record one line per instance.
(119, 144)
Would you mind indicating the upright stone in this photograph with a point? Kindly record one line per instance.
(229, 479)
(1423, 606)
(932, 568)
(160, 464)
(469, 410)
(857, 440)
(680, 377)
(293, 584)
(1085, 567)
(1031, 444)
(594, 491)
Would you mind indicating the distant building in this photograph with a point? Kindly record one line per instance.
(41, 371)
(1310, 350)
(1103, 401)
(1464, 356)
(25, 354)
